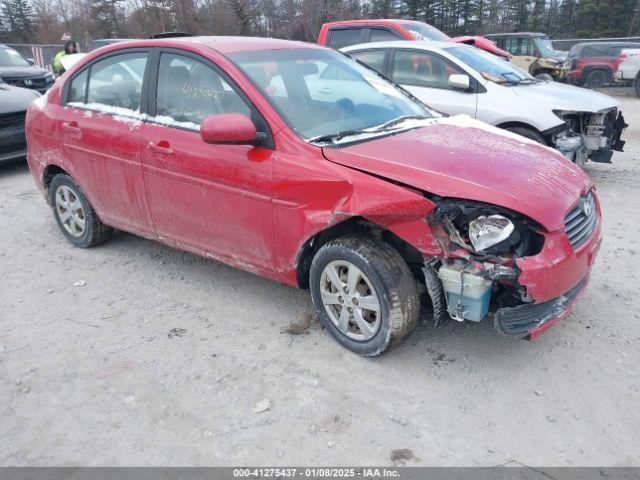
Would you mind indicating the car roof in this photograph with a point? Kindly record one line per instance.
(371, 21)
(516, 34)
(222, 44)
(611, 44)
(414, 45)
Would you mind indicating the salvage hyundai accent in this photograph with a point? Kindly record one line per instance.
(221, 146)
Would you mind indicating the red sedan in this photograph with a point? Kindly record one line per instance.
(227, 147)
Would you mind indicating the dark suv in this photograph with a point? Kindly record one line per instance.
(14, 102)
(20, 72)
(594, 64)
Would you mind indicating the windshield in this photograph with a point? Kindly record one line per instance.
(10, 58)
(545, 46)
(491, 67)
(322, 93)
(424, 31)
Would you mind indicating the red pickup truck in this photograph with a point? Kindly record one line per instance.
(351, 32)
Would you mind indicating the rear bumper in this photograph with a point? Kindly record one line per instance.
(533, 319)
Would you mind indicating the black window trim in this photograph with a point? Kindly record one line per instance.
(265, 136)
(87, 68)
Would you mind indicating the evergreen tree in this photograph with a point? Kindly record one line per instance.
(16, 18)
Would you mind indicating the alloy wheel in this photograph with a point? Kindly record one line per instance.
(350, 300)
(69, 210)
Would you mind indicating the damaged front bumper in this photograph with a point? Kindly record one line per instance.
(590, 136)
(528, 296)
(533, 319)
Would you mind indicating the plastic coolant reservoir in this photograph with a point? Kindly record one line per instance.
(475, 294)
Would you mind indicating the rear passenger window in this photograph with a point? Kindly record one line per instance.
(344, 37)
(78, 88)
(117, 81)
(380, 35)
(189, 90)
(371, 58)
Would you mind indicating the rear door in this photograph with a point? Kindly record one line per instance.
(100, 127)
(426, 75)
(214, 199)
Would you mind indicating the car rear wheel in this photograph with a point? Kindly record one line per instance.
(528, 133)
(364, 294)
(637, 85)
(74, 215)
(597, 79)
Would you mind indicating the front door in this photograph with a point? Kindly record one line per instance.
(100, 135)
(215, 199)
(426, 75)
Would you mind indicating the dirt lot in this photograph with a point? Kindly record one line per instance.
(137, 354)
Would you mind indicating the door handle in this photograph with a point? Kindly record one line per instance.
(71, 127)
(161, 147)
(324, 90)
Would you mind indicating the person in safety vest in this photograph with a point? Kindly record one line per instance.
(69, 49)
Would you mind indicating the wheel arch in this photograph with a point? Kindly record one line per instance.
(49, 172)
(517, 124)
(353, 225)
(592, 68)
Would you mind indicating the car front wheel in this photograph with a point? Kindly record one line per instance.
(74, 215)
(528, 133)
(364, 294)
(637, 85)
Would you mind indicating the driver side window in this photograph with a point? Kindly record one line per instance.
(117, 81)
(189, 90)
(422, 69)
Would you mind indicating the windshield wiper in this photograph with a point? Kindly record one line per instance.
(332, 137)
(396, 121)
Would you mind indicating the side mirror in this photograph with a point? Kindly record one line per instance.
(228, 128)
(31, 61)
(459, 82)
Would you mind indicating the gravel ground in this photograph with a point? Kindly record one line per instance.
(133, 353)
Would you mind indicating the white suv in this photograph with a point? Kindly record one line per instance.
(458, 79)
(629, 69)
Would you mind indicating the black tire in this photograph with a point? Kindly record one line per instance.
(393, 283)
(597, 79)
(637, 85)
(545, 76)
(95, 232)
(528, 133)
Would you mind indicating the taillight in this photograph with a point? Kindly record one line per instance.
(623, 56)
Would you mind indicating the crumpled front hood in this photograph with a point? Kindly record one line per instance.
(460, 157)
(560, 96)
